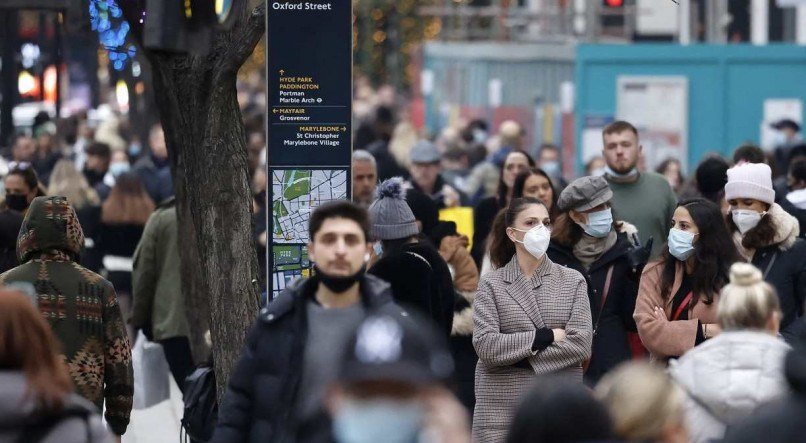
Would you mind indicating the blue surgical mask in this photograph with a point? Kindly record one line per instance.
(681, 244)
(379, 420)
(117, 169)
(135, 149)
(551, 168)
(599, 223)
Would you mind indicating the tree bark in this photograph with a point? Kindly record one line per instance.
(197, 102)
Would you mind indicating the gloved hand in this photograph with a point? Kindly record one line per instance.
(638, 256)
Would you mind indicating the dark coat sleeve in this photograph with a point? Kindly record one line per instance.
(398, 270)
(235, 413)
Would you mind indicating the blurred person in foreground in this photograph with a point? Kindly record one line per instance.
(559, 411)
(726, 379)
(645, 403)
(37, 399)
(80, 306)
(643, 199)
(276, 390)
(391, 386)
(781, 421)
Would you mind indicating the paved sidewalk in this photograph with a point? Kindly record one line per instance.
(159, 423)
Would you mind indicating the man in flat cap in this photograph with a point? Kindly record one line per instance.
(426, 177)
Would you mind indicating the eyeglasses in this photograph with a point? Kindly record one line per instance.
(19, 165)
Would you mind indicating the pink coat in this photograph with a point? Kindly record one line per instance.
(661, 337)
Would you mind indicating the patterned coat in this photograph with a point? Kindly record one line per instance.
(80, 306)
(507, 311)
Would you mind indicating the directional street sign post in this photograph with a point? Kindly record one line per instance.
(309, 132)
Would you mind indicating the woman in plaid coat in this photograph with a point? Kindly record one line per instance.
(531, 316)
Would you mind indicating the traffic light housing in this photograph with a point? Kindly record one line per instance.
(187, 25)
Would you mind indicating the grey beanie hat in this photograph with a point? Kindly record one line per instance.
(391, 216)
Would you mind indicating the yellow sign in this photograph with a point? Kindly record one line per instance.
(463, 217)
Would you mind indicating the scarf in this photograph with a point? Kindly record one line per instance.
(588, 249)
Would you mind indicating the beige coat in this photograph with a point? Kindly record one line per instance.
(508, 309)
(661, 337)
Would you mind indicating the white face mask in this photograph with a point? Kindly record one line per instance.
(536, 240)
(746, 219)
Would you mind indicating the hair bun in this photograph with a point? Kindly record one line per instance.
(745, 274)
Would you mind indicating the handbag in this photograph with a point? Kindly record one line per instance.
(151, 373)
(201, 405)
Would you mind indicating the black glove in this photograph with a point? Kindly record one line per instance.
(638, 256)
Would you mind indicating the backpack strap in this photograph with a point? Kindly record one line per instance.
(605, 292)
(679, 311)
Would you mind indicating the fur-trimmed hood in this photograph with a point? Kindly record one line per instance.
(787, 226)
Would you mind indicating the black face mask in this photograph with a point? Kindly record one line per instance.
(93, 177)
(339, 283)
(17, 202)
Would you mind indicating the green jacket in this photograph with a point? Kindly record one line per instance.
(80, 305)
(159, 306)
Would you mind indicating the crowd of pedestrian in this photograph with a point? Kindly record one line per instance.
(621, 305)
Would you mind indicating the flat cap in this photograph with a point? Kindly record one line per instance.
(424, 152)
(585, 193)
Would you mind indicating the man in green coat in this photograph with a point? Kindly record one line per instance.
(159, 306)
(80, 305)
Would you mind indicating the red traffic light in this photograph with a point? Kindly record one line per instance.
(614, 3)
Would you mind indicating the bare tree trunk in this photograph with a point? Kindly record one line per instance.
(196, 98)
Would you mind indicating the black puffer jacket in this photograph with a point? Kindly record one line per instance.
(615, 319)
(420, 279)
(783, 264)
(259, 402)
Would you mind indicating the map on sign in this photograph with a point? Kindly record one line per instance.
(290, 263)
(296, 193)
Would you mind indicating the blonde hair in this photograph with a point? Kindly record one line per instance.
(68, 182)
(643, 400)
(404, 137)
(747, 302)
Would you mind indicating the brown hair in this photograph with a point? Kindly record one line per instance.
(128, 202)
(28, 345)
(618, 127)
(501, 247)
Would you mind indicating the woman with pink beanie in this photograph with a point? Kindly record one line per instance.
(767, 236)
